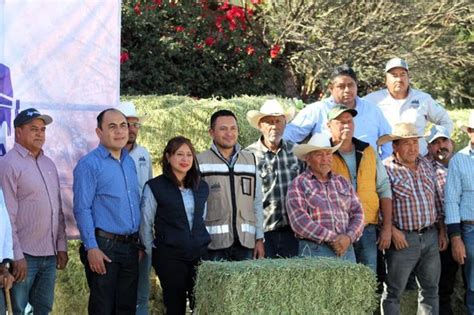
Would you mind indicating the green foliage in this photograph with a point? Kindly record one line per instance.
(285, 286)
(182, 48)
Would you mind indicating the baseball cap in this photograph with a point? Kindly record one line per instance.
(30, 114)
(396, 63)
(338, 109)
(437, 132)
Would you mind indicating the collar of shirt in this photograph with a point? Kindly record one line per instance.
(233, 158)
(262, 147)
(104, 152)
(24, 151)
(394, 159)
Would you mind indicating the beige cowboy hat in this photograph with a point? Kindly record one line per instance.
(470, 123)
(400, 131)
(270, 108)
(129, 110)
(317, 142)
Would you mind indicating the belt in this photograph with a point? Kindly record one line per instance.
(131, 238)
(467, 222)
(423, 229)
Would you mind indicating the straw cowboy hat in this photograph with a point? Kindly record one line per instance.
(400, 131)
(470, 123)
(317, 142)
(129, 110)
(269, 108)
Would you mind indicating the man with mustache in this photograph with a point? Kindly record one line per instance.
(440, 151)
(401, 103)
(358, 163)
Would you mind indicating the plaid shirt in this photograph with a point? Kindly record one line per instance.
(416, 194)
(276, 171)
(441, 173)
(319, 211)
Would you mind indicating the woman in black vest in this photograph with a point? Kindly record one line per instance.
(173, 207)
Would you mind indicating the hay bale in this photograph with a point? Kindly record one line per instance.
(285, 286)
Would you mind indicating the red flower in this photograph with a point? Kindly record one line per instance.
(237, 50)
(250, 50)
(136, 8)
(209, 41)
(158, 2)
(219, 20)
(198, 46)
(124, 56)
(225, 6)
(275, 51)
(179, 28)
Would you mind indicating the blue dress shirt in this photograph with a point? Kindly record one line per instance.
(106, 195)
(459, 190)
(370, 123)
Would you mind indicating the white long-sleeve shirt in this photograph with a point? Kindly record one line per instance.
(418, 108)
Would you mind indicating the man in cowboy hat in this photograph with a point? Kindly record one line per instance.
(277, 166)
(343, 88)
(357, 162)
(440, 151)
(401, 103)
(459, 206)
(417, 223)
(234, 217)
(323, 208)
(144, 166)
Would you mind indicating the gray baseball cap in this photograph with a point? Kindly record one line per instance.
(396, 63)
(437, 132)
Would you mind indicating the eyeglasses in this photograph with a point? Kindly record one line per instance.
(135, 124)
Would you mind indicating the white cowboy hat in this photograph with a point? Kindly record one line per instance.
(129, 110)
(436, 132)
(400, 131)
(270, 108)
(317, 142)
(470, 123)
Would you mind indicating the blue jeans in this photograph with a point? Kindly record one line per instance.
(366, 247)
(236, 252)
(143, 293)
(116, 291)
(280, 244)
(38, 289)
(468, 238)
(422, 257)
(312, 249)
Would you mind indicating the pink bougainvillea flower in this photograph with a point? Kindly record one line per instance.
(198, 46)
(256, 1)
(250, 50)
(209, 41)
(275, 51)
(158, 2)
(136, 8)
(124, 56)
(179, 28)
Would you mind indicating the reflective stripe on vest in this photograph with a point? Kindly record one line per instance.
(218, 229)
(248, 228)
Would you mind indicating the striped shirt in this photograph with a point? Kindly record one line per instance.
(276, 170)
(459, 193)
(441, 172)
(320, 211)
(415, 194)
(32, 195)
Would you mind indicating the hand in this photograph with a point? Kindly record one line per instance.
(398, 239)
(340, 244)
(385, 237)
(458, 249)
(61, 260)
(6, 279)
(442, 240)
(19, 270)
(259, 249)
(96, 258)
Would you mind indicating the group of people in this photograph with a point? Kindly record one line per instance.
(366, 182)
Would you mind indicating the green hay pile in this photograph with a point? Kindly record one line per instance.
(285, 286)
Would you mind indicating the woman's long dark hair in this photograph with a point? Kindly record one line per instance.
(191, 180)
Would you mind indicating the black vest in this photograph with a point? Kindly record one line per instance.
(171, 224)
